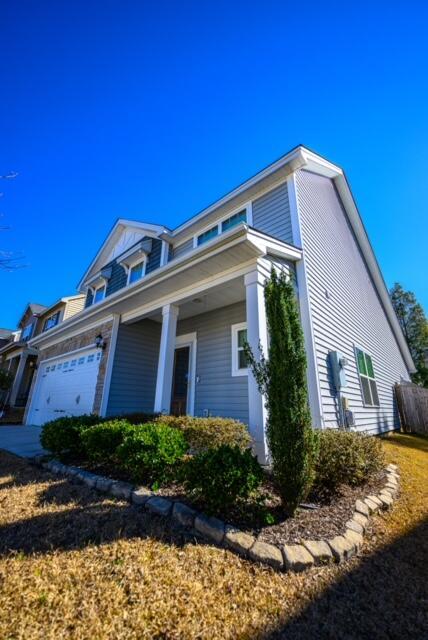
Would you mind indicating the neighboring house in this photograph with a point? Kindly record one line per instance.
(5, 336)
(20, 359)
(167, 311)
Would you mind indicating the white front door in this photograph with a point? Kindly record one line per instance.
(65, 386)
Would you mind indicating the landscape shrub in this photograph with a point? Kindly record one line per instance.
(220, 476)
(63, 435)
(345, 457)
(282, 378)
(135, 418)
(101, 442)
(151, 452)
(209, 433)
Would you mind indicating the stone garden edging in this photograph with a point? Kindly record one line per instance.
(295, 557)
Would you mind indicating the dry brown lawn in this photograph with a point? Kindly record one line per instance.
(75, 565)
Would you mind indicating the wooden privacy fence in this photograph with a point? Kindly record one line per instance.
(413, 407)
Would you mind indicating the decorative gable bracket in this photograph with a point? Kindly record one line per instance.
(136, 254)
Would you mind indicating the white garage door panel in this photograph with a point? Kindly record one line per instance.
(66, 386)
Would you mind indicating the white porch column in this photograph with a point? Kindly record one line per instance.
(256, 333)
(18, 378)
(166, 359)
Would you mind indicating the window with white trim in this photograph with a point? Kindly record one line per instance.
(136, 272)
(239, 360)
(367, 378)
(51, 322)
(223, 225)
(99, 294)
(27, 331)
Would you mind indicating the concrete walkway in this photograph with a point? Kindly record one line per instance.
(20, 440)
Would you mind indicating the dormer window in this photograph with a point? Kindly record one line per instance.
(136, 272)
(99, 294)
(27, 331)
(51, 322)
(134, 260)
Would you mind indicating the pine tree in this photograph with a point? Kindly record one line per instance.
(414, 325)
(282, 379)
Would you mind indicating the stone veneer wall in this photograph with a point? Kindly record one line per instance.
(78, 342)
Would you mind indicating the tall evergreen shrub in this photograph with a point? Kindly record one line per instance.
(282, 378)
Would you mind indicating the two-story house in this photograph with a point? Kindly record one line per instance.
(20, 359)
(167, 310)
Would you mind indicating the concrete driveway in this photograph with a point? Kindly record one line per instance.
(21, 440)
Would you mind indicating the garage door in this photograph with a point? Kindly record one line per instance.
(65, 387)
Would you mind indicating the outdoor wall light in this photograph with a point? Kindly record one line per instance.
(100, 343)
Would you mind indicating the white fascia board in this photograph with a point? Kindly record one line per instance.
(272, 246)
(295, 159)
(348, 201)
(238, 234)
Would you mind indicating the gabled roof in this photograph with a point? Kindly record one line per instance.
(34, 308)
(298, 158)
(64, 299)
(5, 334)
(149, 229)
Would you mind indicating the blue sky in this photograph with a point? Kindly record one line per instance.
(152, 110)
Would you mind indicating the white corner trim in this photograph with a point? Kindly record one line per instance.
(164, 253)
(190, 340)
(236, 371)
(109, 367)
(314, 391)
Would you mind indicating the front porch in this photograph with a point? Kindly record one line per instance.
(184, 356)
(20, 363)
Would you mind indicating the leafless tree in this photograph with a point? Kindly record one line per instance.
(9, 261)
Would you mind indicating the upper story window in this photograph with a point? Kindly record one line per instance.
(239, 360)
(51, 322)
(99, 294)
(223, 225)
(27, 331)
(367, 379)
(136, 272)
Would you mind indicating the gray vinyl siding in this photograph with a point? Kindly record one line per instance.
(271, 214)
(133, 381)
(217, 390)
(73, 306)
(345, 308)
(117, 279)
(153, 261)
(181, 249)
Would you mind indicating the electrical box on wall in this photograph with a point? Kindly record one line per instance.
(338, 363)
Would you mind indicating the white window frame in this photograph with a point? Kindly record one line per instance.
(95, 289)
(218, 223)
(366, 352)
(236, 371)
(46, 328)
(133, 264)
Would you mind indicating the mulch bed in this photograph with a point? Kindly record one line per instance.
(319, 519)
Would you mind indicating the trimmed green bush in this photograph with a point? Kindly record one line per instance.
(150, 452)
(221, 476)
(63, 435)
(282, 378)
(345, 458)
(209, 433)
(101, 442)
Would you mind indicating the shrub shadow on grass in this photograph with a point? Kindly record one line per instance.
(384, 597)
(92, 518)
(91, 524)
